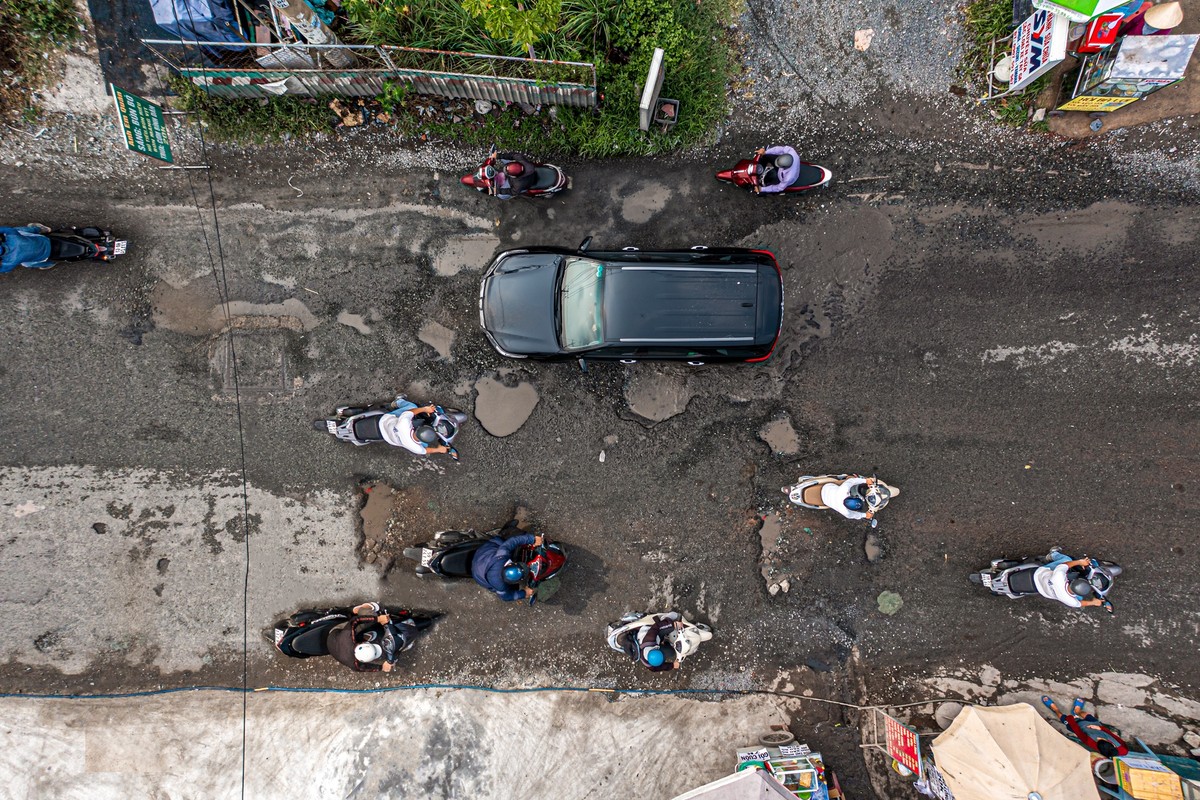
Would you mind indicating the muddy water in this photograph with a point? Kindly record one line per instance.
(643, 204)
(656, 397)
(502, 410)
(377, 511)
(194, 309)
(781, 436)
(437, 336)
(355, 321)
(472, 252)
(769, 535)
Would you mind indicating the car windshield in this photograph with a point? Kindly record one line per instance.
(580, 301)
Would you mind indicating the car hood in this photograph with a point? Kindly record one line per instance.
(518, 306)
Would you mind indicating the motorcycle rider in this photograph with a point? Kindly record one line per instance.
(406, 426)
(855, 495)
(369, 636)
(518, 175)
(655, 651)
(26, 246)
(1074, 586)
(493, 566)
(780, 167)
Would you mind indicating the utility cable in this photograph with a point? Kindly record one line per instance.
(221, 278)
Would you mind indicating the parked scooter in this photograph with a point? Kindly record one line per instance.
(776, 170)
(507, 175)
(450, 553)
(1055, 576)
(425, 427)
(305, 634)
(641, 637)
(33, 242)
(852, 496)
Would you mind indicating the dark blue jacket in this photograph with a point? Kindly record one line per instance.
(23, 247)
(487, 567)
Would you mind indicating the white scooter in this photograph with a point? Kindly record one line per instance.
(623, 634)
(852, 496)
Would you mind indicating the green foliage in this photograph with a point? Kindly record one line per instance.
(393, 96)
(511, 21)
(251, 120)
(591, 22)
(29, 29)
(432, 24)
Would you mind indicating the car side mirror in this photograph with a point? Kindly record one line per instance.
(585, 244)
(583, 364)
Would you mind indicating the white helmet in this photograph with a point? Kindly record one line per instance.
(367, 652)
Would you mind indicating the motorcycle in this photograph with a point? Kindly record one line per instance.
(535, 180)
(360, 425)
(1015, 579)
(82, 244)
(749, 173)
(852, 496)
(305, 633)
(623, 634)
(449, 555)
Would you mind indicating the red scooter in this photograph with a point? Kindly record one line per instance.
(749, 173)
(507, 175)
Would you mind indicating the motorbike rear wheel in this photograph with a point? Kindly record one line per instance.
(975, 578)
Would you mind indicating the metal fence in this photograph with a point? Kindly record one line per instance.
(270, 70)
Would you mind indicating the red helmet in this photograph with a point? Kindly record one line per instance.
(514, 168)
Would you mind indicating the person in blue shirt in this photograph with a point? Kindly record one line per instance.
(493, 566)
(25, 246)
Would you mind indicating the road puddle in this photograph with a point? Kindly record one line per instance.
(656, 397)
(437, 336)
(502, 410)
(472, 252)
(781, 436)
(642, 205)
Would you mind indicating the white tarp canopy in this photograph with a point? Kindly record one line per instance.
(1011, 753)
(749, 784)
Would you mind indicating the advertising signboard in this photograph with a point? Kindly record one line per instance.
(902, 744)
(143, 126)
(1038, 44)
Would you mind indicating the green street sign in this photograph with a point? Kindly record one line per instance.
(142, 123)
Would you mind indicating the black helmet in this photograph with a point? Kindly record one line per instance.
(784, 160)
(425, 434)
(1081, 588)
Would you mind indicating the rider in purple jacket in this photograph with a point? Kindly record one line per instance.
(777, 176)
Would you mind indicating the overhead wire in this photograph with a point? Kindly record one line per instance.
(221, 278)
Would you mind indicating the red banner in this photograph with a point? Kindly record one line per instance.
(903, 744)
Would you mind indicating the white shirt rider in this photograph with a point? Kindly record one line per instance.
(834, 496)
(396, 428)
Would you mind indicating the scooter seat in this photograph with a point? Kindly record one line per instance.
(1021, 581)
(812, 495)
(546, 178)
(312, 643)
(808, 176)
(61, 248)
(457, 562)
(367, 429)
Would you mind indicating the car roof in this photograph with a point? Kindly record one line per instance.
(681, 303)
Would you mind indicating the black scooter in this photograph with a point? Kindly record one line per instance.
(306, 633)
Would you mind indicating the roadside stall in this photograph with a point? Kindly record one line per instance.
(1011, 751)
(1136, 67)
(800, 770)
